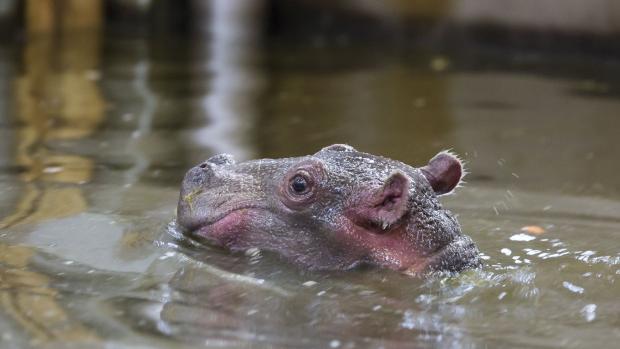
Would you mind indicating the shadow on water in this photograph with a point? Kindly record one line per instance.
(97, 131)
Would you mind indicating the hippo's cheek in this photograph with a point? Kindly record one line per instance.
(389, 249)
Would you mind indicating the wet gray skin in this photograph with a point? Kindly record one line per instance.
(336, 209)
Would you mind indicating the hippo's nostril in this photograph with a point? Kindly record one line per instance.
(221, 159)
(205, 169)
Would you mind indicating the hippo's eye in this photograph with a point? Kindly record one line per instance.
(299, 184)
(302, 185)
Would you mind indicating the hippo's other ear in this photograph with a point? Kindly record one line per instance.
(444, 172)
(387, 204)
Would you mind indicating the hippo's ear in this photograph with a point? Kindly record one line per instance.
(444, 172)
(387, 204)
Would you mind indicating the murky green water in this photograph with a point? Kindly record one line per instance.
(95, 136)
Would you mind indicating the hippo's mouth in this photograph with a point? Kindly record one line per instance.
(226, 224)
(458, 255)
(224, 214)
(201, 209)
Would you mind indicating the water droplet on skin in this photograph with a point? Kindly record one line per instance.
(309, 283)
(334, 344)
(506, 251)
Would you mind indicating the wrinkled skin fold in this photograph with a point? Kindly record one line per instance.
(333, 210)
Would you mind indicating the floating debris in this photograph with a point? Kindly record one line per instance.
(533, 229)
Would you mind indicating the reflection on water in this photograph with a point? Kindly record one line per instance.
(236, 82)
(55, 99)
(96, 134)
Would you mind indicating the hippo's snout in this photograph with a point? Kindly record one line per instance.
(197, 179)
(459, 255)
(203, 174)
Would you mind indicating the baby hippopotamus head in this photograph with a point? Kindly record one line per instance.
(336, 209)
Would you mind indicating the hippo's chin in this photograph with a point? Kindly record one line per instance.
(461, 254)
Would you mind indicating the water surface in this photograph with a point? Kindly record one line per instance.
(95, 136)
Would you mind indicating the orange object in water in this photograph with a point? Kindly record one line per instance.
(533, 229)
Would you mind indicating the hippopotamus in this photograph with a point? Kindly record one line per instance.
(335, 210)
